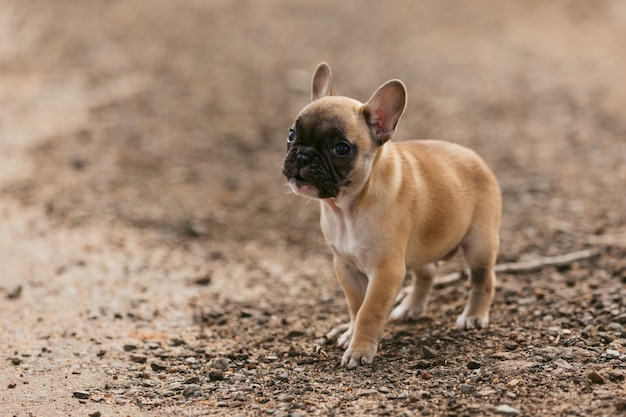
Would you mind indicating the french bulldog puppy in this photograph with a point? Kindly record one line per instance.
(390, 208)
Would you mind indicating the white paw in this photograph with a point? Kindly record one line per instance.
(465, 322)
(354, 357)
(406, 313)
(345, 338)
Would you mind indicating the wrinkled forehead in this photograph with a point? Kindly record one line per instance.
(330, 114)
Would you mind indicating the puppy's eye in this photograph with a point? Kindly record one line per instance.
(292, 136)
(342, 149)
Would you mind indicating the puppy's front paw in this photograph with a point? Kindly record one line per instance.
(357, 356)
(468, 322)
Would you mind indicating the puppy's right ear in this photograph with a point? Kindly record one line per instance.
(384, 108)
(322, 84)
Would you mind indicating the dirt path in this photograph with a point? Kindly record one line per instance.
(152, 262)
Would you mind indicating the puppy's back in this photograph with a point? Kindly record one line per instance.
(442, 161)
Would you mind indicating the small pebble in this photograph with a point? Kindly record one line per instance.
(203, 280)
(563, 364)
(429, 353)
(239, 396)
(191, 390)
(285, 398)
(595, 377)
(81, 395)
(486, 392)
(15, 293)
(95, 414)
(506, 410)
(422, 364)
(620, 319)
(215, 376)
(510, 345)
(196, 228)
(424, 394)
(157, 366)
(138, 358)
(219, 363)
(512, 383)
(465, 388)
(615, 327)
(177, 342)
(192, 380)
(473, 365)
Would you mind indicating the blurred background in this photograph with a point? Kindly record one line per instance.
(142, 203)
(173, 115)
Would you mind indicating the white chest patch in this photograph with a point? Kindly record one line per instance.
(343, 236)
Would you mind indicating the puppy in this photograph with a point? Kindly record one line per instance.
(390, 208)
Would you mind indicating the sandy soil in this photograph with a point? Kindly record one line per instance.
(153, 263)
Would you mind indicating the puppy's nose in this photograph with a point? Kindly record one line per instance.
(303, 159)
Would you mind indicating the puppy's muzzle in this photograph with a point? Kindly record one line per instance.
(309, 175)
(298, 167)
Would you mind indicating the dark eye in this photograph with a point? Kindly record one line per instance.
(342, 149)
(292, 136)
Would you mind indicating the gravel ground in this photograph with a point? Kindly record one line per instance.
(152, 261)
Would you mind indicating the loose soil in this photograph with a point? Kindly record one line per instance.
(153, 262)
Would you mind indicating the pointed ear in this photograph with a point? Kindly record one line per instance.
(322, 83)
(384, 108)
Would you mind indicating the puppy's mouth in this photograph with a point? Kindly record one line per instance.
(299, 179)
(302, 187)
(309, 180)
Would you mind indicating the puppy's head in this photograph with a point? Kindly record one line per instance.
(333, 142)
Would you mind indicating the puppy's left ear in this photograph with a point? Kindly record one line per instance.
(384, 108)
(322, 83)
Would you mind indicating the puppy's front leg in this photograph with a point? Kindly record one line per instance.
(371, 317)
(354, 284)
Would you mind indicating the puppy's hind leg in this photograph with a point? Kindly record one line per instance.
(414, 304)
(480, 254)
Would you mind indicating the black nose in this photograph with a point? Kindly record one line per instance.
(303, 159)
